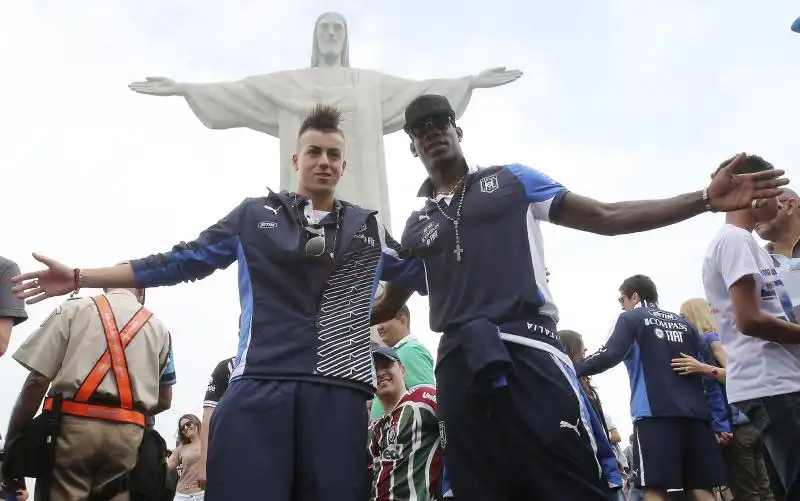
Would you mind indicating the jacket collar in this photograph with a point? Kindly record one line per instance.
(409, 337)
(294, 200)
(122, 292)
(353, 216)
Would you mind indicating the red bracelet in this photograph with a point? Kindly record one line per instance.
(77, 274)
(714, 372)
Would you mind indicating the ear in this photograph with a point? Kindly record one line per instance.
(294, 161)
(344, 167)
(459, 133)
(791, 206)
(413, 150)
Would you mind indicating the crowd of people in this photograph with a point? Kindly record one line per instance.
(507, 411)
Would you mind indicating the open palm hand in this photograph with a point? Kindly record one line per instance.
(495, 77)
(56, 280)
(731, 192)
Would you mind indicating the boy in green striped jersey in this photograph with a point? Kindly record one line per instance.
(405, 442)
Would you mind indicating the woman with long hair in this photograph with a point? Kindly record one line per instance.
(576, 351)
(744, 456)
(185, 457)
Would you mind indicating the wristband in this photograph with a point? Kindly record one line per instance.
(77, 275)
(714, 372)
(707, 200)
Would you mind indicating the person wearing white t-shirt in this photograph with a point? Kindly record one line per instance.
(763, 347)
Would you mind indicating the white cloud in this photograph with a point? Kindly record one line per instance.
(93, 173)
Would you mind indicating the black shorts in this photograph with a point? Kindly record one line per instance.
(676, 453)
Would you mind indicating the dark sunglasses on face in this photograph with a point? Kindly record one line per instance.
(621, 300)
(435, 122)
(187, 426)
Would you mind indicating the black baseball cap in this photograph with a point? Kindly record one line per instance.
(386, 352)
(426, 106)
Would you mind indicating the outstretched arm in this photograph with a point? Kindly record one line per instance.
(614, 352)
(727, 192)
(112, 276)
(215, 248)
(223, 105)
(583, 213)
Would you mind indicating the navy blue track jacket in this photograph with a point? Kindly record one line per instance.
(303, 318)
(647, 339)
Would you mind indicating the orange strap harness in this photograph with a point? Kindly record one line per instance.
(113, 358)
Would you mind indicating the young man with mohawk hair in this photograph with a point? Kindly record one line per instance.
(292, 425)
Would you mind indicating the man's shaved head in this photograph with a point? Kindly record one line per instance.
(785, 226)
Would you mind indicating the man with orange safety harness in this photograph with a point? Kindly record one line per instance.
(108, 365)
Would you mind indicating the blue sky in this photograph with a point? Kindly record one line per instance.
(620, 100)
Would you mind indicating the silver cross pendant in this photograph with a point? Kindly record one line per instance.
(457, 251)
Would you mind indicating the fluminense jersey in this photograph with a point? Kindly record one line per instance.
(405, 452)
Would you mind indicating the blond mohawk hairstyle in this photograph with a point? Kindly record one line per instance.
(323, 118)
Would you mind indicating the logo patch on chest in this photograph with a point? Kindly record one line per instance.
(273, 209)
(365, 238)
(267, 224)
(391, 436)
(489, 184)
(430, 233)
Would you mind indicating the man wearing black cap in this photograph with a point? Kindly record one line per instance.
(513, 414)
(404, 442)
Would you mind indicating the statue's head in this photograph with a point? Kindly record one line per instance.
(319, 155)
(330, 41)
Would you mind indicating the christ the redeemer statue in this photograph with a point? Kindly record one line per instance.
(372, 104)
